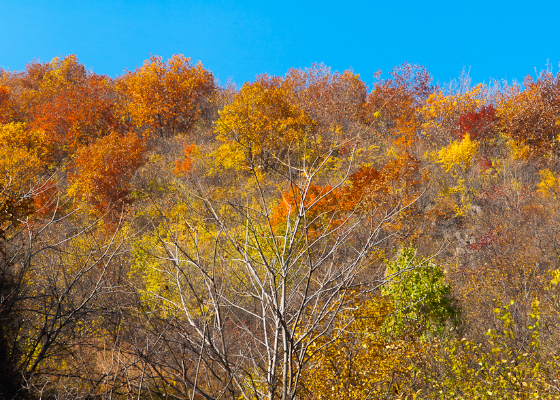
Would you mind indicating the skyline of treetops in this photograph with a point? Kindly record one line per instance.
(304, 236)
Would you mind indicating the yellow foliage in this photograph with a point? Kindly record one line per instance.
(261, 124)
(228, 157)
(456, 159)
(355, 361)
(458, 156)
(518, 150)
(171, 288)
(36, 142)
(549, 184)
(499, 370)
(441, 111)
(64, 72)
(555, 274)
(21, 154)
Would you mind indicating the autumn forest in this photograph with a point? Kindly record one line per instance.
(306, 236)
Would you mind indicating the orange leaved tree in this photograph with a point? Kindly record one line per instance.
(103, 170)
(167, 97)
(532, 117)
(391, 109)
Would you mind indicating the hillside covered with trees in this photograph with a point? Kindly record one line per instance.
(301, 237)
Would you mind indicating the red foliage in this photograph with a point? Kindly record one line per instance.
(481, 125)
(4, 94)
(482, 242)
(44, 199)
(485, 164)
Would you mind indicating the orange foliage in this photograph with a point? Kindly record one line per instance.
(41, 82)
(12, 106)
(317, 203)
(80, 114)
(331, 98)
(396, 182)
(185, 166)
(532, 117)
(44, 199)
(103, 170)
(369, 188)
(167, 97)
(72, 106)
(392, 106)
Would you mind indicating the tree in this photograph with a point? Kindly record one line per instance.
(13, 209)
(56, 275)
(4, 103)
(167, 98)
(531, 117)
(250, 298)
(79, 115)
(356, 359)
(422, 300)
(40, 83)
(500, 367)
(262, 125)
(334, 100)
(391, 108)
(102, 172)
(446, 116)
(305, 113)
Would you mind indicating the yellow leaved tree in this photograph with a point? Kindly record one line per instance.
(356, 360)
(261, 126)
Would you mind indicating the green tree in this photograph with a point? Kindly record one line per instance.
(423, 303)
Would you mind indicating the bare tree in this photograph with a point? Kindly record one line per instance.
(247, 295)
(57, 275)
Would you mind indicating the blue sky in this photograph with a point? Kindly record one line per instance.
(239, 39)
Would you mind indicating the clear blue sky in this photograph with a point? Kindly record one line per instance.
(240, 39)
